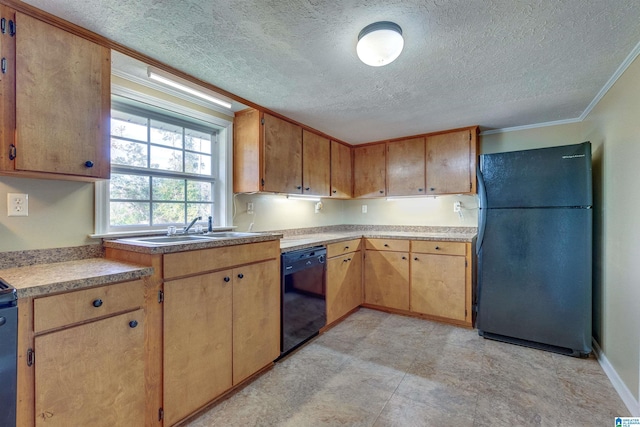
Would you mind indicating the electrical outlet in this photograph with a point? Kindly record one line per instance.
(17, 204)
(457, 206)
(364, 208)
(250, 208)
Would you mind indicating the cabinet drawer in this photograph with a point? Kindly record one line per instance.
(396, 245)
(444, 248)
(203, 260)
(335, 249)
(79, 306)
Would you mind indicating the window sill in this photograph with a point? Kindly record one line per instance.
(119, 234)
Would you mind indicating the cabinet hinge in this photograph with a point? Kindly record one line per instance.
(465, 263)
(262, 121)
(4, 65)
(12, 152)
(160, 297)
(465, 312)
(262, 182)
(470, 136)
(12, 28)
(3, 25)
(160, 414)
(31, 357)
(470, 185)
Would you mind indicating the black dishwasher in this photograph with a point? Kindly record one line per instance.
(303, 306)
(8, 354)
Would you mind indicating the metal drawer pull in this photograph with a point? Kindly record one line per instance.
(415, 259)
(404, 257)
(386, 245)
(97, 303)
(227, 278)
(133, 323)
(240, 276)
(437, 248)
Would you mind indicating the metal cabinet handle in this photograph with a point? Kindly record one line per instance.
(346, 247)
(133, 323)
(334, 191)
(298, 187)
(432, 189)
(404, 257)
(240, 276)
(386, 245)
(381, 191)
(307, 188)
(3, 320)
(88, 164)
(420, 189)
(415, 259)
(97, 303)
(437, 248)
(227, 278)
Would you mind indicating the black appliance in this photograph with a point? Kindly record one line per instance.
(304, 310)
(535, 248)
(8, 354)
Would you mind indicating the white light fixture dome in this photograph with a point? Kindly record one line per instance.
(380, 43)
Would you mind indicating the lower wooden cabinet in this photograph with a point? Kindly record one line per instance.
(197, 342)
(256, 318)
(219, 329)
(386, 279)
(92, 374)
(426, 278)
(438, 286)
(344, 285)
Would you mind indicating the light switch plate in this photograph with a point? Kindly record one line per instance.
(17, 204)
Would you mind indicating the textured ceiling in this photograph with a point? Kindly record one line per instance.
(496, 63)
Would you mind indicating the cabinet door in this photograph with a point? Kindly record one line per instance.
(438, 285)
(386, 279)
(282, 156)
(62, 101)
(92, 374)
(450, 163)
(316, 161)
(406, 167)
(344, 285)
(197, 342)
(256, 318)
(369, 171)
(341, 171)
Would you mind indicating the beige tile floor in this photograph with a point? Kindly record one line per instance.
(378, 369)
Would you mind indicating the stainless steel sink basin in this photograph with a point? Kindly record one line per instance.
(168, 240)
(230, 234)
(181, 238)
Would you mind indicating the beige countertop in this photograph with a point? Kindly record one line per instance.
(42, 279)
(302, 241)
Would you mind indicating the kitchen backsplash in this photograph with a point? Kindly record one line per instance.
(276, 212)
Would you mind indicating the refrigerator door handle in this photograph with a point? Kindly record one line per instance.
(482, 209)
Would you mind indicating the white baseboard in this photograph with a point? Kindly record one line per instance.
(625, 394)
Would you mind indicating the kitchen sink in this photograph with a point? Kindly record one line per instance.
(181, 238)
(230, 234)
(168, 240)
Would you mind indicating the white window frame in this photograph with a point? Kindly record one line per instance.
(221, 152)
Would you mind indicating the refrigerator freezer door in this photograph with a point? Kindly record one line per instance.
(545, 177)
(535, 276)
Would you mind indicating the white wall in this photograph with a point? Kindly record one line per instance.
(60, 214)
(613, 126)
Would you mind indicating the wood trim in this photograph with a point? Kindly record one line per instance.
(473, 129)
(465, 324)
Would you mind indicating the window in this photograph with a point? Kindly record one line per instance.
(166, 169)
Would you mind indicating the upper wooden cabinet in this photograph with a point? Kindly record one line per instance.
(316, 163)
(276, 156)
(406, 167)
(369, 164)
(451, 162)
(341, 171)
(60, 87)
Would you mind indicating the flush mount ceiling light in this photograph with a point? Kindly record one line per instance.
(184, 86)
(380, 43)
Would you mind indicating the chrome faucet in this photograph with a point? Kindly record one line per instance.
(188, 227)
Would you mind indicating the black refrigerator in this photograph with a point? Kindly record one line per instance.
(534, 248)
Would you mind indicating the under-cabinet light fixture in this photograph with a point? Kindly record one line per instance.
(380, 43)
(307, 198)
(185, 86)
